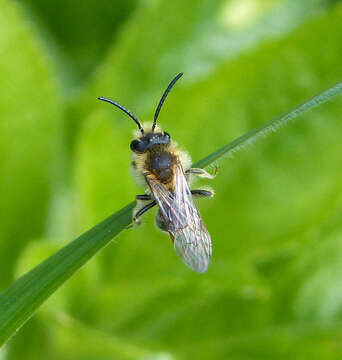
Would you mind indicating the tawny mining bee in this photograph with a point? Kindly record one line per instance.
(166, 170)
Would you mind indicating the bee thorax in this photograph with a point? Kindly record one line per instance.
(161, 161)
(161, 166)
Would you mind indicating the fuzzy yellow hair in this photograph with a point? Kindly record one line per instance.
(139, 160)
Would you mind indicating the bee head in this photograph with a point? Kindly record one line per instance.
(150, 139)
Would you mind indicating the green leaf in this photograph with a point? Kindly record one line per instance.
(91, 343)
(267, 128)
(30, 112)
(21, 299)
(290, 341)
(76, 51)
(199, 39)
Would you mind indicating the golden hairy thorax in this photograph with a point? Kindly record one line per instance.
(158, 163)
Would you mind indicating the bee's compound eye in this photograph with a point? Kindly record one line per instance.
(137, 145)
(167, 136)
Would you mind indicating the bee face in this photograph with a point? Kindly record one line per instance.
(147, 141)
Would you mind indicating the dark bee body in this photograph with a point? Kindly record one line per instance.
(154, 155)
(165, 170)
(160, 164)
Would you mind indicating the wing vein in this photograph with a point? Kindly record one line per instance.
(191, 239)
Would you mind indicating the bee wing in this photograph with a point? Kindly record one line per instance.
(191, 239)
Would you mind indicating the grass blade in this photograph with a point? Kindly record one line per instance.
(268, 127)
(26, 294)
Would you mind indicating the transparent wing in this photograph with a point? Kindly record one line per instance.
(191, 239)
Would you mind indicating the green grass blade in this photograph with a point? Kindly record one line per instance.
(25, 295)
(268, 127)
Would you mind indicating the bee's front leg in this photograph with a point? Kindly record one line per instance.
(137, 213)
(140, 208)
(201, 173)
(144, 197)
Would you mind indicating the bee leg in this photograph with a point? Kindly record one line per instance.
(144, 197)
(202, 193)
(143, 210)
(202, 173)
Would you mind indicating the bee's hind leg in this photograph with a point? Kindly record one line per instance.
(202, 193)
(201, 173)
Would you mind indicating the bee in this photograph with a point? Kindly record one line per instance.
(166, 171)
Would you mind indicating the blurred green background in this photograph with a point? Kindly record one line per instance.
(274, 287)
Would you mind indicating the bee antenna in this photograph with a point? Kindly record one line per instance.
(124, 110)
(161, 102)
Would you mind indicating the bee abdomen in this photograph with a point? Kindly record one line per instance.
(160, 222)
